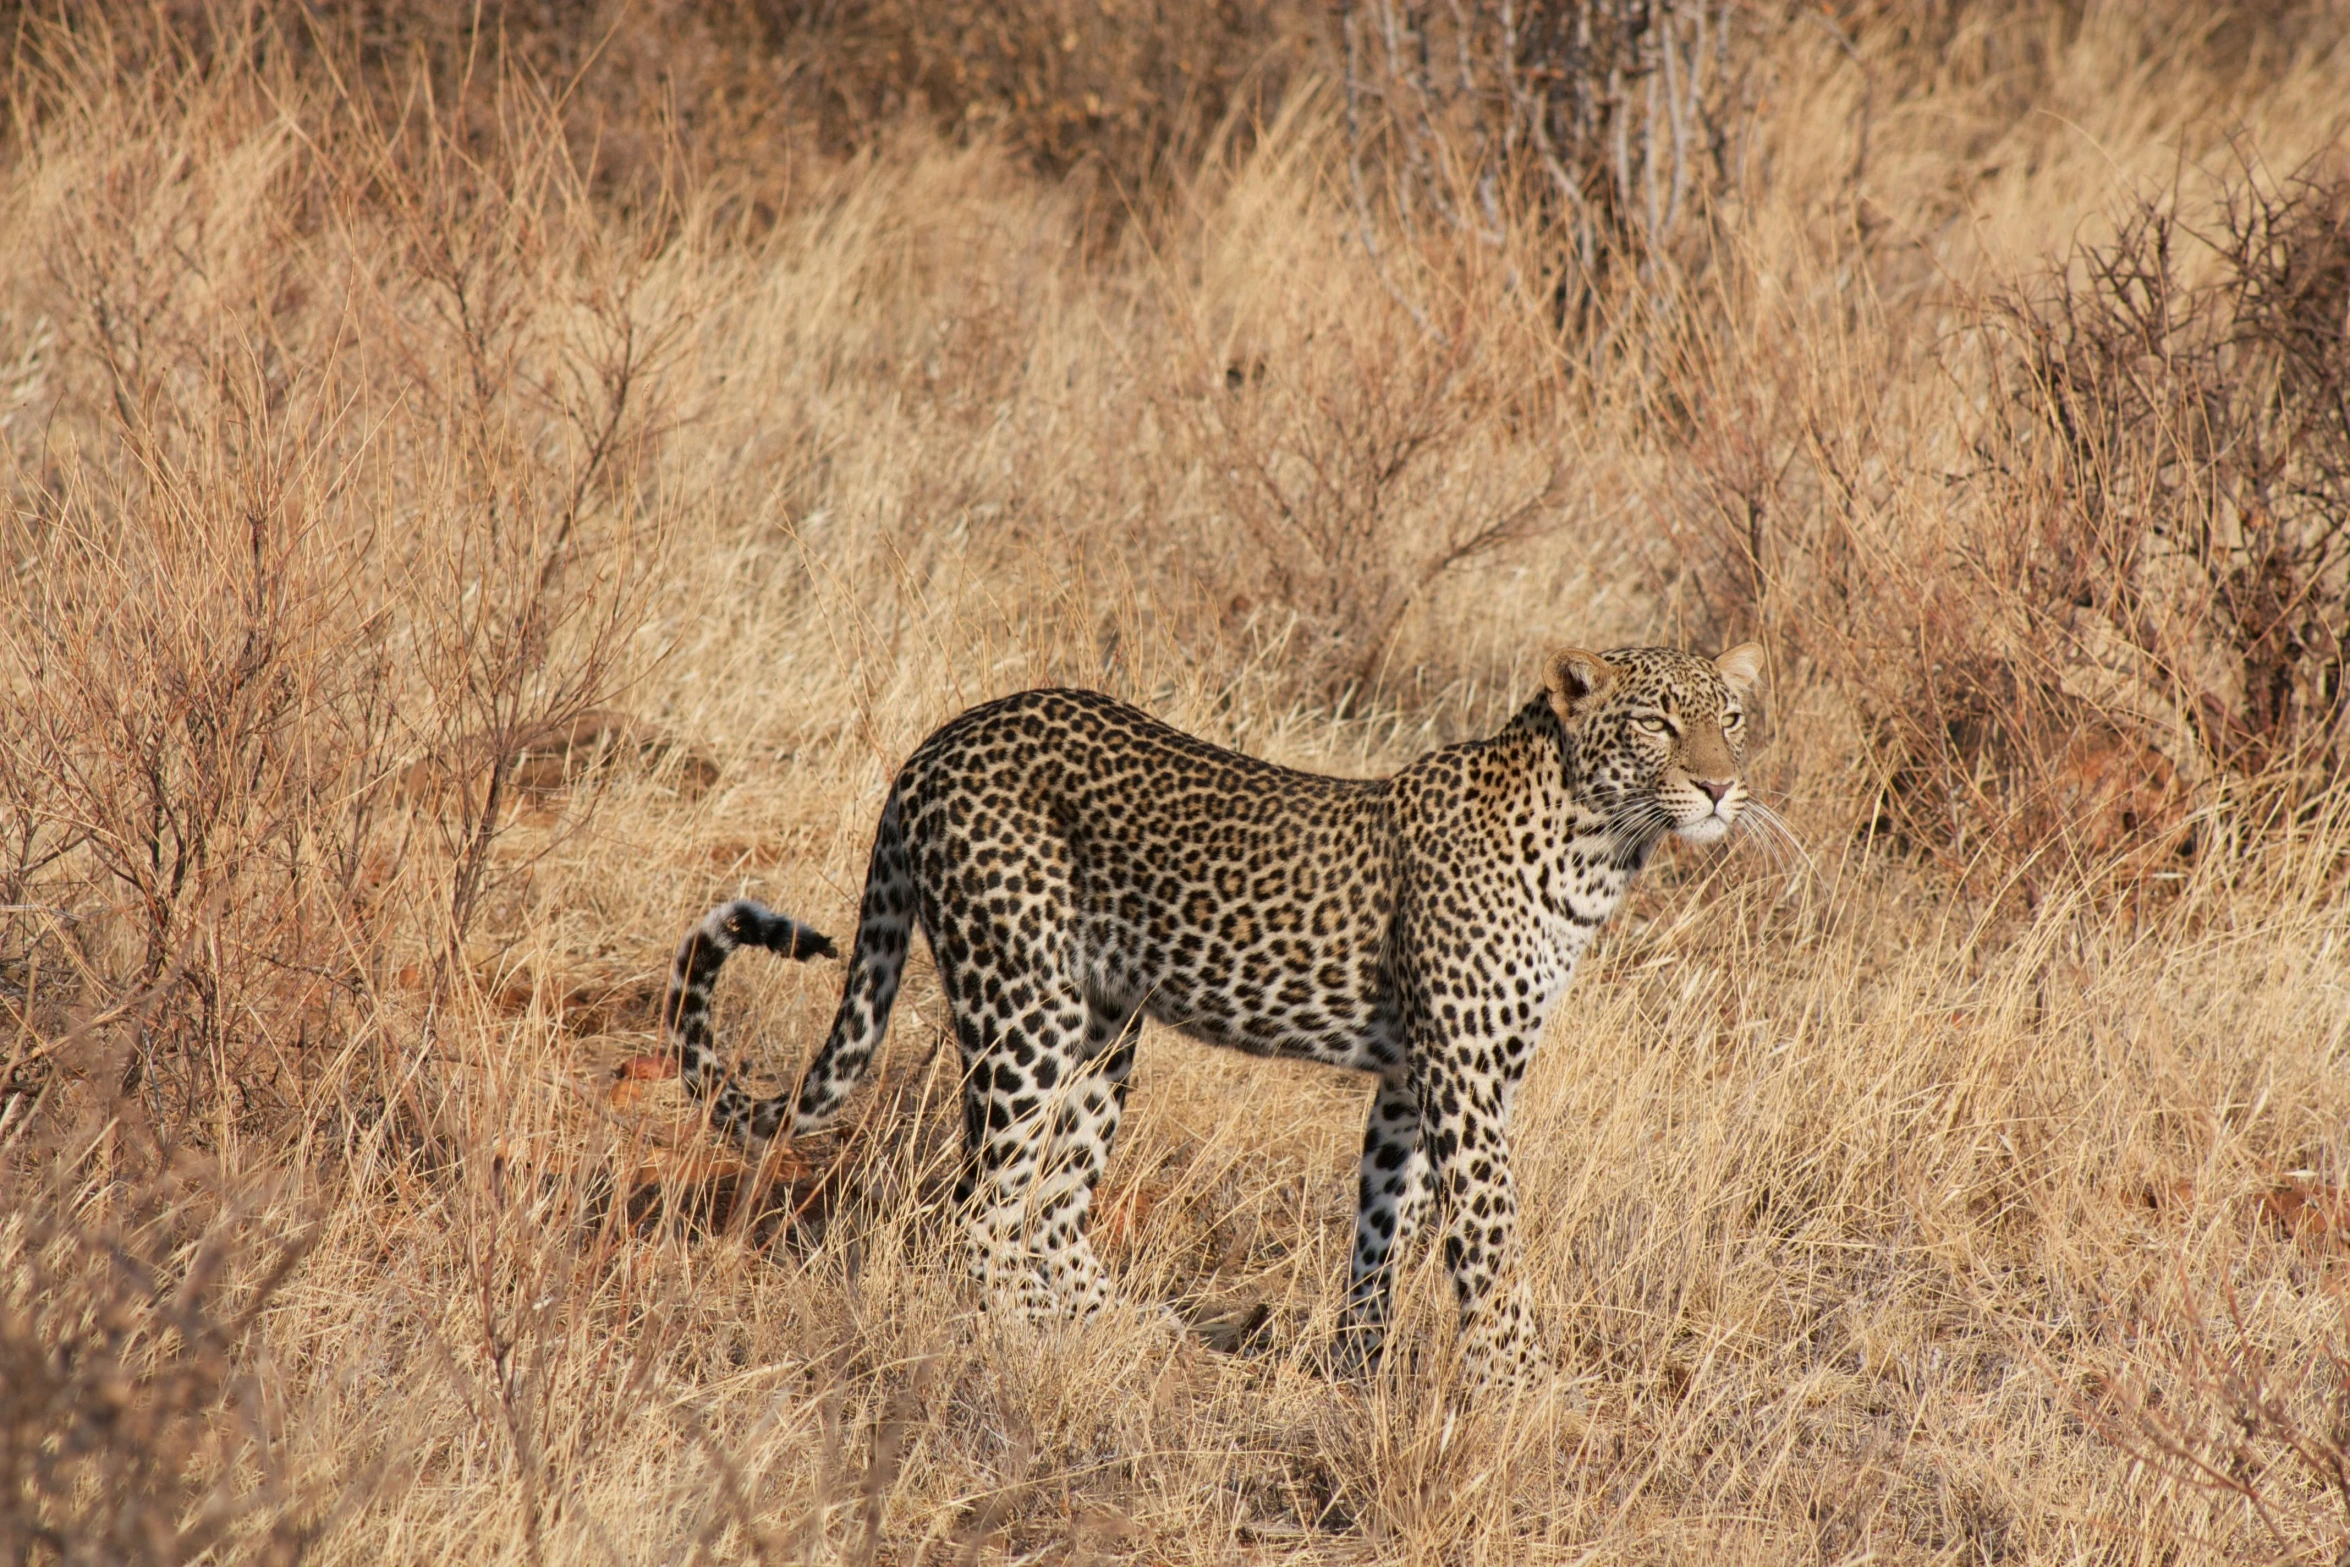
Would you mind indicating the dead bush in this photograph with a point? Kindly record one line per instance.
(1352, 446)
(2115, 627)
(348, 470)
(1355, 475)
(2190, 437)
(198, 712)
(2206, 1403)
(141, 1421)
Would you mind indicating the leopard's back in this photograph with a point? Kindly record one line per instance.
(1243, 902)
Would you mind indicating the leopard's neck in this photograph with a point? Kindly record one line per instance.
(1581, 859)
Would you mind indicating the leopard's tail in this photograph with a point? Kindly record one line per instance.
(685, 1010)
(885, 930)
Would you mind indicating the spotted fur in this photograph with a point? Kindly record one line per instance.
(1077, 865)
(694, 974)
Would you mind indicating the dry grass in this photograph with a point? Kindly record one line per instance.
(1965, 1189)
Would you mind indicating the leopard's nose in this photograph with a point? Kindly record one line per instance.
(1714, 788)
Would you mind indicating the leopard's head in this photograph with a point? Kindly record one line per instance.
(1660, 736)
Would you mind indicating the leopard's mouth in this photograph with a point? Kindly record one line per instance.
(1710, 825)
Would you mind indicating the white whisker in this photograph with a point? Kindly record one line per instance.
(1767, 826)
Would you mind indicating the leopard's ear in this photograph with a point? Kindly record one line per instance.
(1574, 678)
(1742, 666)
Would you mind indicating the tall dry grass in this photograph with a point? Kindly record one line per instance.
(1965, 1186)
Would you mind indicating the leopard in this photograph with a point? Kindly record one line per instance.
(1077, 866)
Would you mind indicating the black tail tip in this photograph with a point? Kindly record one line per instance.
(804, 942)
(750, 924)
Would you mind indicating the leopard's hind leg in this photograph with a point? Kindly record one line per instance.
(1020, 1032)
(1085, 1116)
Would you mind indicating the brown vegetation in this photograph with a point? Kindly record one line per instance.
(483, 483)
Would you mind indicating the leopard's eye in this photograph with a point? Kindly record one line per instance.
(1733, 720)
(1655, 725)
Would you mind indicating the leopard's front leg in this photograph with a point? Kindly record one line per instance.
(1464, 1091)
(1392, 1195)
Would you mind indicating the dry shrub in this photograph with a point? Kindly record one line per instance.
(356, 416)
(2192, 446)
(2209, 1403)
(140, 1422)
(533, 339)
(2103, 626)
(210, 765)
(2171, 584)
(1359, 446)
(197, 726)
